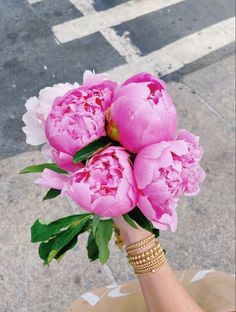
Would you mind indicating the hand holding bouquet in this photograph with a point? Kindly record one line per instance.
(114, 150)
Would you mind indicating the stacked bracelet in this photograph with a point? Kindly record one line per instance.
(140, 245)
(148, 261)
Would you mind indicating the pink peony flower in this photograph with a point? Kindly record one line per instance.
(105, 186)
(142, 113)
(78, 117)
(163, 172)
(38, 110)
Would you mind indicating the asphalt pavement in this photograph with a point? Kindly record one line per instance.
(188, 43)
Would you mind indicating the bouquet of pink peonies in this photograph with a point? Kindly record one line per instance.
(114, 150)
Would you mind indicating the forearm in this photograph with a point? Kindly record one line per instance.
(164, 293)
(162, 290)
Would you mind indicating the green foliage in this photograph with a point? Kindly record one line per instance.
(156, 232)
(130, 221)
(42, 232)
(90, 149)
(41, 167)
(45, 248)
(59, 236)
(65, 239)
(102, 238)
(95, 222)
(140, 219)
(52, 193)
(67, 247)
(92, 248)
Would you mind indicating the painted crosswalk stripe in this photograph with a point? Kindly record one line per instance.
(122, 44)
(186, 50)
(99, 21)
(84, 6)
(33, 1)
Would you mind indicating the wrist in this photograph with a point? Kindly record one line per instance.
(132, 235)
(129, 234)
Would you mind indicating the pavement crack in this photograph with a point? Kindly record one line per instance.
(208, 106)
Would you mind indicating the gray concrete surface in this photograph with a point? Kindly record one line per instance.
(205, 236)
(30, 57)
(204, 97)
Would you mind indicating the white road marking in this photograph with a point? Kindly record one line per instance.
(91, 298)
(33, 1)
(122, 44)
(186, 50)
(84, 6)
(99, 21)
(200, 275)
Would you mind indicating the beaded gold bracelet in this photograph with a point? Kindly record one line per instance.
(152, 269)
(148, 261)
(154, 250)
(138, 245)
(135, 251)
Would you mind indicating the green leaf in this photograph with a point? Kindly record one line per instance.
(52, 193)
(90, 149)
(42, 232)
(92, 248)
(95, 222)
(67, 247)
(156, 232)
(130, 221)
(45, 248)
(139, 218)
(61, 241)
(103, 236)
(41, 167)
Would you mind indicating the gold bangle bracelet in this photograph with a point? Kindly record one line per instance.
(140, 243)
(153, 270)
(147, 263)
(134, 251)
(146, 260)
(148, 256)
(150, 267)
(156, 249)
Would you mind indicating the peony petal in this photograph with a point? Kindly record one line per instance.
(52, 179)
(158, 192)
(184, 134)
(169, 221)
(133, 90)
(140, 167)
(48, 95)
(145, 77)
(107, 206)
(146, 207)
(80, 193)
(34, 132)
(65, 161)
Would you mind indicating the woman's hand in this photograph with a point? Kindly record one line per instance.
(162, 290)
